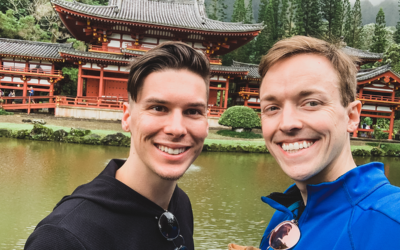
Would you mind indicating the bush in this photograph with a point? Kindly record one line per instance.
(240, 117)
(377, 152)
(361, 152)
(247, 135)
(3, 112)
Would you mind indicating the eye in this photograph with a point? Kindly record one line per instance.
(271, 109)
(193, 112)
(159, 108)
(312, 104)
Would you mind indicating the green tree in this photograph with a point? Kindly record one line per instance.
(347, 15)
(239, 11)
(299, 18)
(379, 41)
(8, 25)
(249, 12)
(397, 33)
(356, 26)
(240, 117)
(312, 18)
(212, 10)
(328, 8)
(338, 21)
(222, 16)
(283, 20)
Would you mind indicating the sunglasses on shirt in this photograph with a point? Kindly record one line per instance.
(284, 236)
(169, 228)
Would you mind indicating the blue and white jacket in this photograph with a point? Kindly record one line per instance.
(360, 210)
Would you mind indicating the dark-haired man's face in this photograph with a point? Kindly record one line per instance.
(168, 122)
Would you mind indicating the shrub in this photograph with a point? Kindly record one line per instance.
(247, 135)
(3, 112)
(240, 117)
(377, 152)
(361, 152)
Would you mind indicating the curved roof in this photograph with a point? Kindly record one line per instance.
(94, 55)
(368, 74)
(188, 14)
(15, 47)
(252, 68)
(363, 54)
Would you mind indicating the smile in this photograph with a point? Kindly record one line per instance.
(171, 151)
(296, 146)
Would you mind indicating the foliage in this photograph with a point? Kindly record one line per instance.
(392, 56)
(78, 45)
(240, 117)
(366, 120)
(3, 112)
(68, 85)
(354, 40)
(246, 135)
(379, 134)
(217, 10)
(379, 41)
(213, 147)
(239, 11)
(360, 152)
(377, 152)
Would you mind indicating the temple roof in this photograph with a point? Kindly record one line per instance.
(368, 74)
(252, 68)
(188, 14)
(94, 55)
(363, 54)
(132, 52)
(229, 69)
(43, 50)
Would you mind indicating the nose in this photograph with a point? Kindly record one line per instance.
(290, 120)
(175, 125)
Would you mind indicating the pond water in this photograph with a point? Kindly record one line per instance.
(224, 188)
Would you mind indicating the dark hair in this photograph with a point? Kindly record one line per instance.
(168, 55)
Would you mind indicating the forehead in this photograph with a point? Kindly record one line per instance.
(300, 73)
(174, 84)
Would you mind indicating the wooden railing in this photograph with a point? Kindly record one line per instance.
(27, 102)
(215, 111)
(138, 47)
(378, 98)
(91, 102)
(250, 90)
(215, 61)
(30, 71)
(105, 49)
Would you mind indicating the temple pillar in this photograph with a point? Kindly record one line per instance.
(391, 125)
(51, 92)
(246, 99)
(221, 97)
(101, 83)
(80, 80)
(393, 95)
(361, 92)
(25, 89)
(226, 93)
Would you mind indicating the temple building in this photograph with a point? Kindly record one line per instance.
(125, 29)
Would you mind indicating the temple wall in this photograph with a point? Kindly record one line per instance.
(88, 113)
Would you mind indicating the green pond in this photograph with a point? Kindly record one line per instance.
(224, 188)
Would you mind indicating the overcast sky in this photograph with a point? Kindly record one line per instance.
(374, 2)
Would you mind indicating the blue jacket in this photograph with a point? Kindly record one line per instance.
(360, 210)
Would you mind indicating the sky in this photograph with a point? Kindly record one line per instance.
(374, 2)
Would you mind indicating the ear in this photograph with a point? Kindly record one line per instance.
(126, 117)
(353, 111)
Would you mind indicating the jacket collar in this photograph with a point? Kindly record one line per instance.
(356, 184)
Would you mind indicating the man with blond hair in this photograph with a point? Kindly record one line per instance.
(309, 109)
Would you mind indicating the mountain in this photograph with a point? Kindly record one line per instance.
(368, 9)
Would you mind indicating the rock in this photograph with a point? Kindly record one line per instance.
(113, 140)
(93, 139)
(38, 121)
(59, 135)
(27, 120)
(377, 152)
(79, 132)
(72, 139)
(41, 133)
(22, 134)
(5, 132)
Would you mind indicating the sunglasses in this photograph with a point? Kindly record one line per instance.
(284, 236)
(169, 228)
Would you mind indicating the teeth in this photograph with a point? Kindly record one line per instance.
(171, 151)
(295, 147)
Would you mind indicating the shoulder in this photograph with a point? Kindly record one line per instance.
(53, 237)
(385, 201)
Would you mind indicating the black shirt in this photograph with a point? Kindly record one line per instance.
(107, 214)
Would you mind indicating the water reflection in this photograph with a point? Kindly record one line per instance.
(225, 188)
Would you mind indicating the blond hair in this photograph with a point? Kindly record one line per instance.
(345, 66)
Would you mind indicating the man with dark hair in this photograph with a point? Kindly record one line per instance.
(136, 204)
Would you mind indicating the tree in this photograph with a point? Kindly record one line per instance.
(379, 41)
(299, 18)
(222, 10)
(239, 11)
(347, 15)
(338, 21)
(240, 117)
(312, 18)
(213, 10)
(249, 12)
(266, 38)
(356, 26)
(290, 19)
(397, 33)
(283, 20)
(328, 8)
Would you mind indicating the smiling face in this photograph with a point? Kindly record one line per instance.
(168, 123)
(304, 124)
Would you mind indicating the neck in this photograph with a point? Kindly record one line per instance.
(146, 182)
(343, 163)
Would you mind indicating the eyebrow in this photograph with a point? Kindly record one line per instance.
(161, 101)
(302, 94)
